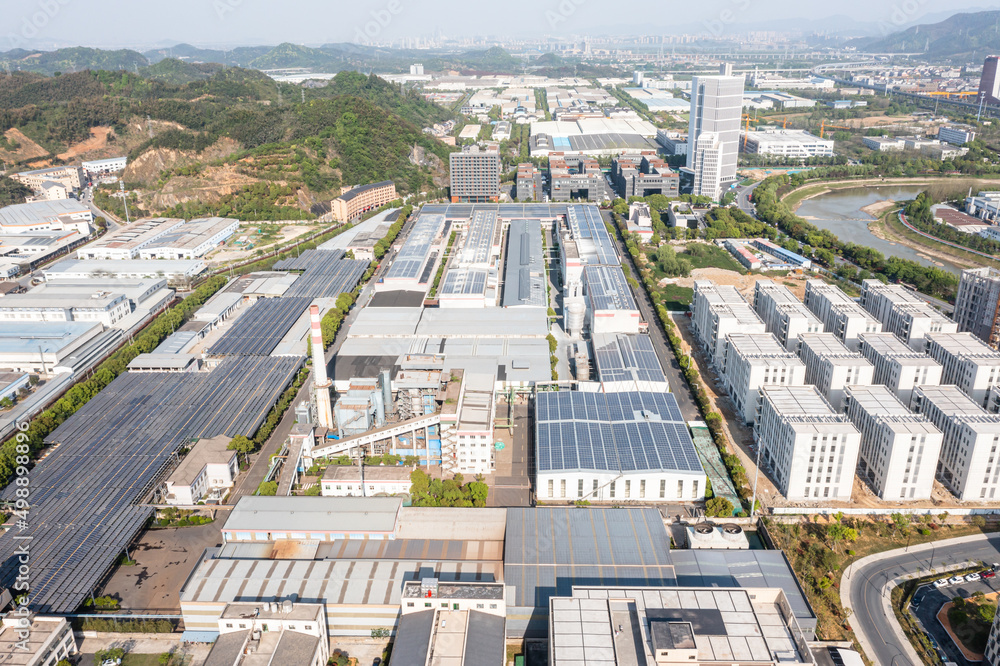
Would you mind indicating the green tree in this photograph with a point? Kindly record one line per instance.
(313, 491)
(719, 507)
(242, 444)
(268, 488)
(553, 344)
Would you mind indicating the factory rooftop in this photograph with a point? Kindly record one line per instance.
(40, 212)
(313, 514)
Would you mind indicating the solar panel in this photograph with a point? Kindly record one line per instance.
(259, 330)
(417, 247)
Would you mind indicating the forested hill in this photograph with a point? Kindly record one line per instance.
(962, 37)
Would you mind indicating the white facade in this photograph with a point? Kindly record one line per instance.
(794, 144)
(265, 630)
(613, 486)
(810, 449)
(714, 132)
(967, 363)
(956, 134)
(899, 449)
(105, 166)
(348, 481)
(60, 215)
(840, 314)
(36, 640)
(717, 311)
(784, 315)
(207, 472)
(832, 367)
(903, 313)
(977, 303)
(897, 366)
(968, 463)
(755, 361)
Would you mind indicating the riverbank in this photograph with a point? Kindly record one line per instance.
(794, 198)
(889, 228)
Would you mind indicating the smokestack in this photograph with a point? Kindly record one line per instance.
(321, 384)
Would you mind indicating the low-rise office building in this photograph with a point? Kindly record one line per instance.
(840, 314)
(271, 632)
(832, 367)
(71, 177)
(717, 311)
(207, 472)
(956, 135)
(361, 199)
(642, 175)
(35, 640)
(966, 362)
(903, 313)
(753, 361)
(576, 177)
(367, 481)
(786, 143)
(968, 463)
(811, 449)
(103, 169)
(899, 449)
(897, 366)
(784, 315)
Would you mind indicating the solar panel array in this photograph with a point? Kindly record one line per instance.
(412, 256)
(528, 211)
(628, 358)
(548, 550)
(586, 224)
(259, 330)
(327, 274)
(623, 432)
(464, 281)
(85, 494)
(607, 288)
(478, 239)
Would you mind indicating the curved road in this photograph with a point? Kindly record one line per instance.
(869, 582)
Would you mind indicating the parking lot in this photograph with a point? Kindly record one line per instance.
(928, 600)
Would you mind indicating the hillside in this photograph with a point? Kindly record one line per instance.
(71, 60)
(406, 104)
(239, 57)
(294, 55)
(961, 38)
(179, 72)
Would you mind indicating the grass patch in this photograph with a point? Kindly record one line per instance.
(676, 298)
(893, 227)
(705, 255)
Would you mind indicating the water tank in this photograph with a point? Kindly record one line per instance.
(286, 606)
(575, 313)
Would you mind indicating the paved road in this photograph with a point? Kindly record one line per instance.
(928, 600)
(678, 385)
(868, 584)
(743, 199)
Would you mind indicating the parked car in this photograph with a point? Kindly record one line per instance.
(941, 582)
(956, 580)
(996, 567)
(972, 577)
(989, 573)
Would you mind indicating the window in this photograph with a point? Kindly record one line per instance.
(680, 489)
(695, 492)
(562, 488)
(550, 488)
(480, 605)
(611, 489)
(628, 488)
(229, 625)
(579, 488)
(663, 488)
(493, 606)
(642, 488)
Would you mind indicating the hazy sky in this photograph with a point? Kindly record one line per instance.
(142, 23)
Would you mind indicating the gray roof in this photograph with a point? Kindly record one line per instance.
(625, 357)
(227, 648)
(314, 514)
(621, 432)
(413, 638)
(487, 644)
(524, 268)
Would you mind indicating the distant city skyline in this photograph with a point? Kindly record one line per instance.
(46, 24)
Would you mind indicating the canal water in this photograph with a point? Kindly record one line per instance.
(840, 212)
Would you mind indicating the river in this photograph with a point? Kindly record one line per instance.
(840, 212)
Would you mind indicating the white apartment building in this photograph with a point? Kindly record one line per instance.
(714, 132)
(902, 312)
(783, 314)
(755, 361)
(966, 362)
(977, 303)
(968, 463)
(717, 311)
(793, 144)
(832, 367)
(897, 366)
(810, 449)
(956, 135)
(840, 314)
(353, 481)
(899, 449)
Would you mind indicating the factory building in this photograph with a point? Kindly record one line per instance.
(61, 215)
(576, 177)
(840, 314)
(613, 447)
(903, 313)
(529, 183)
(717, 311)
(786, 143)
(831, 367)
(642, 175)
(956, 135)
(45, 348)
(783, 314)
(675, 625)
(810, 448)
(69, 177)
(101, 169)
(897, 366)
(610, 305)
(968, 464)
(966, 362)
(361, 199)
(977, 304)
(475, 175)
(365, 481)
(755, 361)
(161, 238)
(101, 301)
(179, 272)
(252, 634)
(899, 449)
(792, 259)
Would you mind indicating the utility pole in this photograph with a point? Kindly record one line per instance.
(121, 188)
